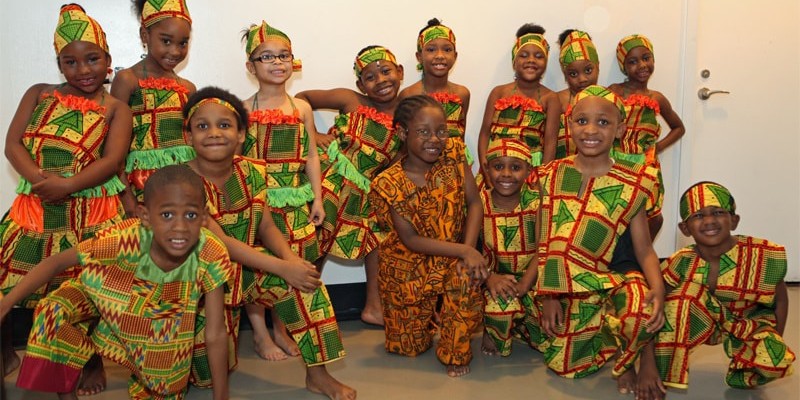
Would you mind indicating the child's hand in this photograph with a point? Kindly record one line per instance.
(323, 141)
(302, 275)
(656, 321)
(475, 263)
(52, 188)
(502, 285)
(521, 288)
(552, 316)
(317, 213)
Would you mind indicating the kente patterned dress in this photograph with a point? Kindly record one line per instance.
(64, 135)
(238, 207)
(564, 144)
(579, 234)
(523, 118)
(509, 241)
(146, 316)
(158, 137)
(282, 141)
(453, 108)
(410, 283)
(740, 313)
(365, 144)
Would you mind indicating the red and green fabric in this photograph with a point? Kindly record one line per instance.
(74, 25)
(578, 46)
(146, 316)
(453, 109)
(158, 136)
(629, 43)
(64, 135)
(155, 11)
(410, 283)
(564, 145)
(365, 144)
(520, 117)
(705, 194)
(740, 313)
(533, 39)
(643, 128)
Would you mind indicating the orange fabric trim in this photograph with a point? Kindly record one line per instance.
(28, 213)
(517, 101)
(101, 209)
(164, 84)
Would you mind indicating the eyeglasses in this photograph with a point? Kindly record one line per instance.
(425, 134)
(270, 58)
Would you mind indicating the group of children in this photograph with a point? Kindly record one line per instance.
(140, 232)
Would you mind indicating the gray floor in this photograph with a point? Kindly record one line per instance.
(377, 375)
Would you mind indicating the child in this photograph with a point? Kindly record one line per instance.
(67, 142)
(281, 132)
(510, 243)
(524, 109)
(724, 288)
(156, 94)
(588, 201)
(436, 55)
(429, 201)
(642, 106)
(359, 145)
(581, 66)
(236, 190)
(144, 280)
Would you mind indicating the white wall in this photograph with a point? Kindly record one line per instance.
(326, 35)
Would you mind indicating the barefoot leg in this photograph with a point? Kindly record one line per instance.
(487, 345)
(626, 383)
(454, 371)
(93, 377)
(10, 360)
(649, 385)
(282, 337)
(373, 311)
(319, 380)
(262, 342)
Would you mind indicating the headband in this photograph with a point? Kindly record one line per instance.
(530, 38)
(208, 100)
(578, 46)
(258, 34)
(705, 194)
(597, 91)
(431, 33)
(371, 55)
(75, 26)
(155, 11)
(627, 44)
(507, 147)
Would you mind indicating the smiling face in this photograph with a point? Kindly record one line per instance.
(167, 42)
(275, 71)
(214, 133)
(580, 74)
(639, 64)
(425, 135)
(595, 122)
(84, 65)
(507, 175)
(437, 57)
(174, 213)
(380, 81)
(711, 227)
(530, 63)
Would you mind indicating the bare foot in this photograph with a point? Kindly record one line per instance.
(267, 349)
(454, 371)
(649, 385)
(371, 316)
(10, 362)
(285, 342)
(626, 383)
(487, 345)
(319, 381)
(93, 377)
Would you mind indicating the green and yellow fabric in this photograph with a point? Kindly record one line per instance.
(705, 194)
(155, 11)
(578, 46)
(369, 56)
(533, 39)
(629, 43)
(432, 33)
(74, 25)
(522, 118)
(258, 34)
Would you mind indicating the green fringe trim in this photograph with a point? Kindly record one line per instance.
(631, 158)
(290, 196)
(468, 155)
(343, 166)
(159, 158)
(111, 187)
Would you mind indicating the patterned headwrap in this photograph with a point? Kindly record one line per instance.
(627, 44)
(155, 11)
(507, 147)
(74, 25)
(705, 194)
(431, 33)
(209, 100)
(597, 91)
(367, 57)
(578, 46)
(530, 38)
(258, 34)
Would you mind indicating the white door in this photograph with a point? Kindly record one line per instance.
(747, 140)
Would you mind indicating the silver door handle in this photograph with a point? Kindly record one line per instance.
(705, 93)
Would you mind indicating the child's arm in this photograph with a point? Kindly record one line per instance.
(473, 225)
(217, 342)
(529, 276)
(485, 133)
(15, 151)
(39, 275)
(339, 99)
(781, 307)
(312, 168)
(115, 149)
(465, 95)
(648, 260)
(433, 247)
(125, 82)
(676, 129)
(305, 277)
(552, 109)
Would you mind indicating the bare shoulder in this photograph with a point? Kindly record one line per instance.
(412, 90)
(616, 88)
